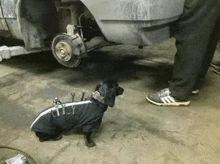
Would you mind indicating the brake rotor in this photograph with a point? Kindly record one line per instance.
(68, 49)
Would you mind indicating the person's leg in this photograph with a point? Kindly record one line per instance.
(196, 29)
(211, 51)
(194, 44)
(207, 60)
(216, 66)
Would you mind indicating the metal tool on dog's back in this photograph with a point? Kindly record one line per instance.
(18, 159)
(83, 95)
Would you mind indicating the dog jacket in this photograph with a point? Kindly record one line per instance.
(85, 114)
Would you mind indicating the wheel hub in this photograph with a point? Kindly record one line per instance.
(63, 51)
(68, 50)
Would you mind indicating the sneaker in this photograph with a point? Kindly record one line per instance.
(216, 66)
(164, 98)
(195, 91)
(199, 85)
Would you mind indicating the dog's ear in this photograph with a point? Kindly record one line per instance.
(109, 98)
(110, 93)
(109, 89)
(98, 85)
(105, 89)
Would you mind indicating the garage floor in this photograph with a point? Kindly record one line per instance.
(132, 132)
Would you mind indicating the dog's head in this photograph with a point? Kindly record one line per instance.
(109, 90)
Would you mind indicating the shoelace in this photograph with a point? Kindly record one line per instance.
(164, 92)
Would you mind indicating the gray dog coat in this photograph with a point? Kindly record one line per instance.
(84, 114)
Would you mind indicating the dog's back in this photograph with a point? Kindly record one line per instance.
(85, 114)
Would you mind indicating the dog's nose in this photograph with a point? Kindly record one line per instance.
(120, 91)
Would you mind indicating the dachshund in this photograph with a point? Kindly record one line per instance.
(86, 114)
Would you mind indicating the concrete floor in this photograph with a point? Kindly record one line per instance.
(132, 132)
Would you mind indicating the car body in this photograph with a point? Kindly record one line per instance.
(38, 24)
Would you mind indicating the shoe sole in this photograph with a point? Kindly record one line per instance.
(186, 103)
(195, 92)
(215, 69)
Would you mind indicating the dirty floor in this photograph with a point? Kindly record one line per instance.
(132, 132)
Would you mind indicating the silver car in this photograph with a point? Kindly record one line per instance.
(71, 28)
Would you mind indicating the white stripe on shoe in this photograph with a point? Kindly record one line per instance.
(168, 99)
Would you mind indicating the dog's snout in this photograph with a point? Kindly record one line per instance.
(120, 91)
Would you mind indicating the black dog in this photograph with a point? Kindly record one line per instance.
(87, 115)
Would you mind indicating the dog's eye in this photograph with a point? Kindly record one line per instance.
(115, 85)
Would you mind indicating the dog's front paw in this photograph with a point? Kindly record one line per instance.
(90, 144)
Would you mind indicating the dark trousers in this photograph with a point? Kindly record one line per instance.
(196, 40)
